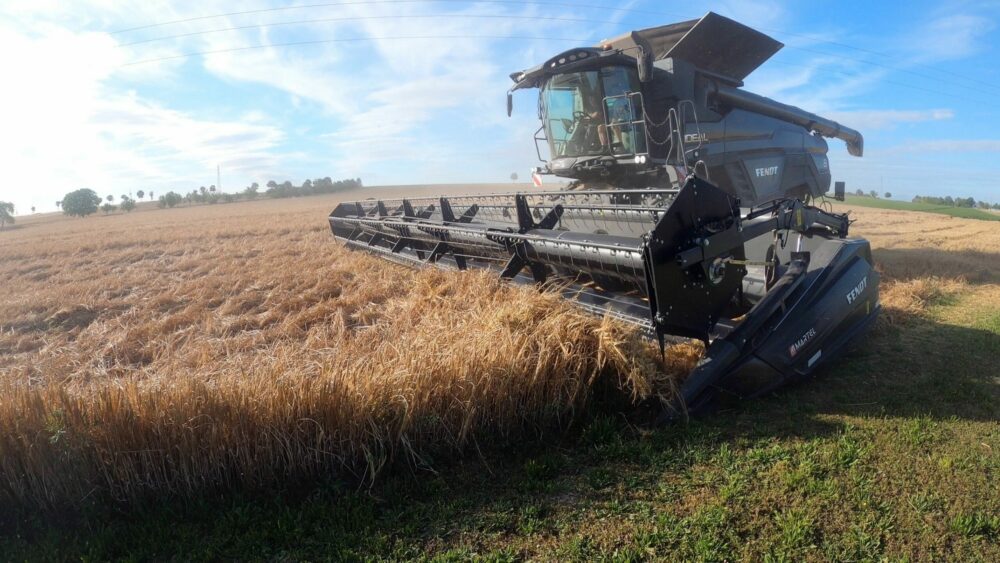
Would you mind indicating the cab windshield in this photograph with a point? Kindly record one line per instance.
(594, 112)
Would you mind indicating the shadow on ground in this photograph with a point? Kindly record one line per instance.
(924, 369)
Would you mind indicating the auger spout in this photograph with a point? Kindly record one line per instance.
(810, 121)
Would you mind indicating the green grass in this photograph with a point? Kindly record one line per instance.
(892, 454)
(963, 212)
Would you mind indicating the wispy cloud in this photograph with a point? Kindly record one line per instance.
(759, 14)
(948, 145)
(889, 118)
(77, 124)
(949, 36)
(383, 108)
(818, 84)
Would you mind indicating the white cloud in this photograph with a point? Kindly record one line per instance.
(821, 85)
(776, 79)
(758, 14)
(887, 118)
(375, 103)
(382, 106)
(947, 37)
(949, 145)
(73, 125)
(402, 96)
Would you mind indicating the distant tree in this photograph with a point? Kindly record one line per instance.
(948, 200)
(107, 208)
(980, 205)
(873, 194)
(110, 198)
(140, 194)
(128, 204)
(859, 192)
(888, 195)
(32, 208)
(123, 197)
(172, 199)
(513, 176)
(272, 184)
(251, 191)
(323, 185)
(151, 196)
(59, 204)
(212, 188)
(80, 203)
(6, 214)
(996, 205)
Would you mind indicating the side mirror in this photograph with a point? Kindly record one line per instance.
(510, 103)
(644, 65)
(839, 189)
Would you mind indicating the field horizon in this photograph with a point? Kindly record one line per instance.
(900, 205)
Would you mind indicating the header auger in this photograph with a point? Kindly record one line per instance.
(669, 243)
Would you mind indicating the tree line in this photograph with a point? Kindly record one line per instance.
(949, 201)
(85, 201)
(872, 194)
(274, 190)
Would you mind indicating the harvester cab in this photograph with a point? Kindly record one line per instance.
(651, 106)
(690, 217)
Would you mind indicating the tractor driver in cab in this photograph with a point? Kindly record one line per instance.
(618, 108)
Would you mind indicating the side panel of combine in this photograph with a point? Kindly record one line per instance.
(826, 300)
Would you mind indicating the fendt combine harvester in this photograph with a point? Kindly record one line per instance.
(689, 215)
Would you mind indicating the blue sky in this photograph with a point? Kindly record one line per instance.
(390, 103)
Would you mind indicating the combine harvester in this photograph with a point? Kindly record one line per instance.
(689, 215)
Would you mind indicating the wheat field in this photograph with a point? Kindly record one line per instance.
(168, 352)
(924, 256)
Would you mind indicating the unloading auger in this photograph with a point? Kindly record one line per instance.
(770, 283)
